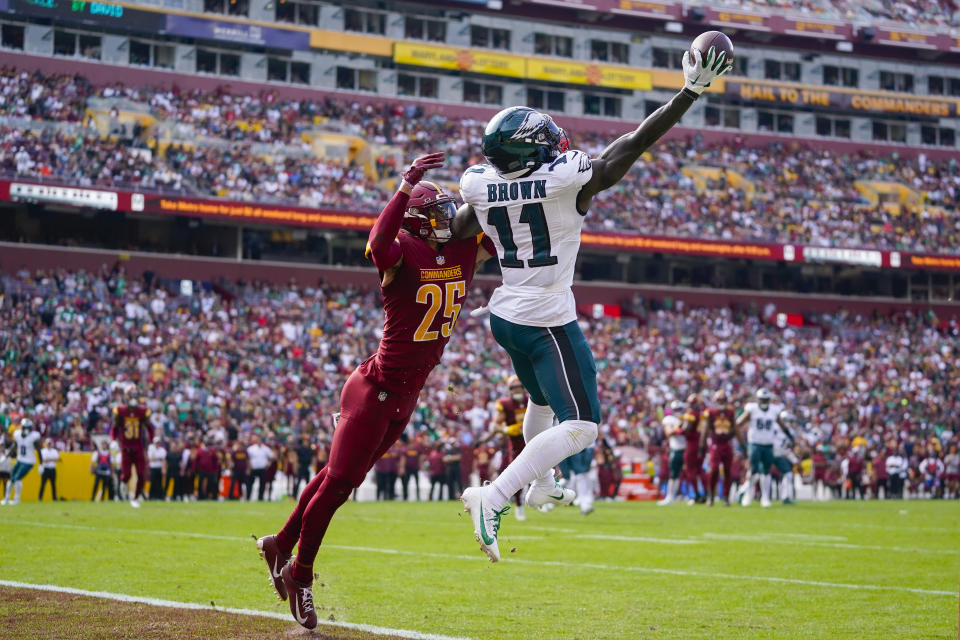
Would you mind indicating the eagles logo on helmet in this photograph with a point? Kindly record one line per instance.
(519, 139)
(429, 212)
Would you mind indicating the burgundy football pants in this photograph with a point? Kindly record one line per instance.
(137, 459)
(371, 421)
(721, 455)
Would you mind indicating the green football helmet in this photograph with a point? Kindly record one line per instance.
(521, 138)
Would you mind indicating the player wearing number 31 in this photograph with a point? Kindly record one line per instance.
(530, 199)
(424, 277)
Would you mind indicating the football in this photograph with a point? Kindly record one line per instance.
(717, 39)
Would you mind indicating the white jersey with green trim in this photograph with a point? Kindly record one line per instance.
(25, 446)
(534, 222)
(671, 424)
(782, 446)
(762, 422)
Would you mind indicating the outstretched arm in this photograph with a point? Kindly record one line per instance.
(620, 155)
(465, 223)
(381, 246)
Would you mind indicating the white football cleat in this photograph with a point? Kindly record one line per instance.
(664, 502)
(557, 496)
(135, 503)
(764, 502)
(3, 502)
(521, 516)
(747, 498)
(547, 508)
(486, 521)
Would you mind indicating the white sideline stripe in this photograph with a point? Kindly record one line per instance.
(599, 536)
(771, 538)
(551, 563)
(174, 604)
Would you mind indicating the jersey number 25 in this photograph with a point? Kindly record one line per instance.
(436, 297)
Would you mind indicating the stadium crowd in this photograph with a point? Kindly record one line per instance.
(239, 363)
(914, 12)
(797, 194)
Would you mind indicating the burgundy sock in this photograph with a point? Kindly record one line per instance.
(302, 574)
(333, 492)
(287, 537)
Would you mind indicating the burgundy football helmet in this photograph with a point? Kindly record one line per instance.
(429, 212)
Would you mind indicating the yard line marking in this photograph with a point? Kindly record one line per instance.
(174, 604)
(554, 563)
(771, 538)
(811, 536)
(599, 536)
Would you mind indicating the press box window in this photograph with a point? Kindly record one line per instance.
(151, 54)
(296, 12)
(777, 70)
(901, 82)
(228, 7)
(70, 43)
(358, 79)
(840, 76)
(667, 58)
(594, 105)
(727, 117)
(604, 51)
(940, 136)
(489, 37)
(833, 127)
(219, 62)
(364, 21)
(284, 70)
(482, 93)
(418, 86)
(774, 121)
(425, 29)
(545, 44)
(545, 99)
(11, 36)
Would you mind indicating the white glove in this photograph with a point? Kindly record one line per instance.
(479, 311)
(699, 73)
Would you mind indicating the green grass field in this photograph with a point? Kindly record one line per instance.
(827, 570)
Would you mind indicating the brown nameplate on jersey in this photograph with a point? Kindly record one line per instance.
(441, 274)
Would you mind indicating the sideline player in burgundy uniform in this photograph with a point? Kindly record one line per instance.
(692, 460)
(717, 424)
(424, 277)
(509, 421)
(132, 429)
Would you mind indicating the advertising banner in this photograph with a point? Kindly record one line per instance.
(796, 95)
(239, 32)
(476, 60)
(105, 14)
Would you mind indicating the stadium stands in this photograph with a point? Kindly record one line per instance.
(917, 12)
(247, 356)
(245, 147)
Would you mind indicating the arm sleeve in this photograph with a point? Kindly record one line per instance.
(382, 246)
(487, 244)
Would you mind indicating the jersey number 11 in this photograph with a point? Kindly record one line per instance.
(531, 214)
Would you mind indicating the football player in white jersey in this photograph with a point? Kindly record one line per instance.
(783, 456)
(530, 199)
(26, 441)
(673, 429)
(763, 417)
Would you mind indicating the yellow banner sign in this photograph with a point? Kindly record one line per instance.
(592, 74)
(474, 60)
(499, 64)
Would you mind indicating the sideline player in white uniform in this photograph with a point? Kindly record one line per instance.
(673, 429)
(26, 441)
(783, 456)
(763, 416)
(530, 199)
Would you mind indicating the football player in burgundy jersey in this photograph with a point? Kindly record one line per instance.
(509, 421)
(424, 277)
(692, 459)
(718, 425)
(131, 428)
